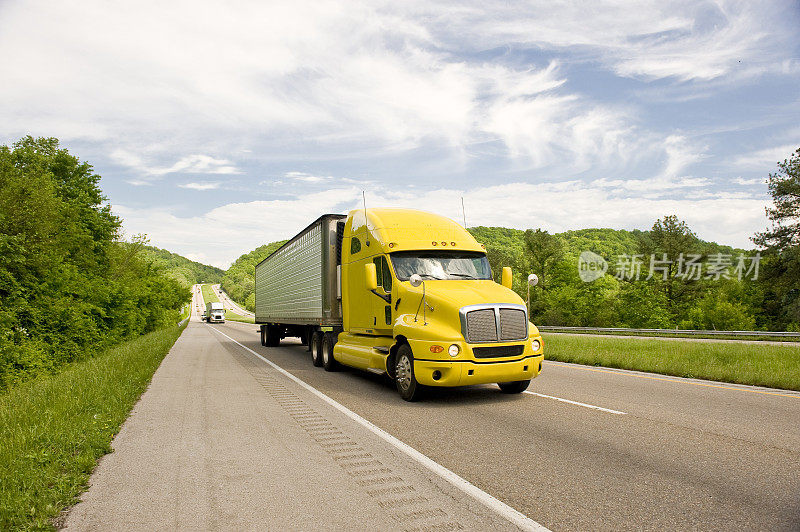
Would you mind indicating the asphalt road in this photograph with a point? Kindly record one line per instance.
(596, 448)
(229, 303)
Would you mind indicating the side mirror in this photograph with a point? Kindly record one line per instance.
(533, 279)
(371, 276)
(415, 280)
(506, 278)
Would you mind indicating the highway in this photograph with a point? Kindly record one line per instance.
(588, 449)
(229, 303)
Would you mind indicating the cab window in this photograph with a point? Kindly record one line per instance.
(355, 245)
(383, 272)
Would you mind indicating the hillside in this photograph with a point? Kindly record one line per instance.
(185, 271)
(239, 280)
(562, 298)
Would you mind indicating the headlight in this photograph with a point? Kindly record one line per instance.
(536, 345)
(454, 350)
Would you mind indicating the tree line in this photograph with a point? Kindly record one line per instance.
(69, 287)
(695, 285)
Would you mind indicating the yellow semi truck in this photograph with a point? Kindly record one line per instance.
(398, 292)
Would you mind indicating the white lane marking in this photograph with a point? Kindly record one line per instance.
(577, 403)
(518, 518)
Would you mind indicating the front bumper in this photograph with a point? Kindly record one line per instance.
(467, 369)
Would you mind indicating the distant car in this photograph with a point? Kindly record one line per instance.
(205, 316)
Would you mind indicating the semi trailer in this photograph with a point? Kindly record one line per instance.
(215, 312)
(402, 293)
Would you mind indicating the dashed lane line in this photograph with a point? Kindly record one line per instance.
(595, 407)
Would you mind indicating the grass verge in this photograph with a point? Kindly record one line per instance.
(236, 317)
(53, 429)
(679, 335)
(775, 366)
(208, 294)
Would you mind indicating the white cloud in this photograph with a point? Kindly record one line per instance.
(159, 79)
(206, 185)
(307, 178)
(765, 160)
(224, 233)
(197, 164)
(749, 182)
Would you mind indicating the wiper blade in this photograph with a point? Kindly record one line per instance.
(464, 275)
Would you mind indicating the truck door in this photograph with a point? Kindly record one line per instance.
(382, 317)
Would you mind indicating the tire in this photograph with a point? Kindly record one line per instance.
(273, 338)
(514, 387)
(316, 349)
(328, 362)
(405, 380)
(264, 335)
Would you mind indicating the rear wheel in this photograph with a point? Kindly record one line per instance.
(328, 362)
(406, 382)
(316, 349)
(514, 387)
(273, 338)
(263, 335)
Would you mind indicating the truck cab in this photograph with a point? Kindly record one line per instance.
(419, 304)
(215, 312)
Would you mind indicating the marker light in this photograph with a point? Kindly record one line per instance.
(452, 243)
(454, 350)
(535, 345)
(444, 243)
(436, 349)
(433, 243)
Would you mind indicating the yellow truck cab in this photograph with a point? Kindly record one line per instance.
(404, 293)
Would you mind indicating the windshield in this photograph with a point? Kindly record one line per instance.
(441, 265)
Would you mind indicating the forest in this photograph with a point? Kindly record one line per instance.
(69, 287)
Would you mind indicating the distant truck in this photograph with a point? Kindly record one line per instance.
(215, 312)
(398, 292)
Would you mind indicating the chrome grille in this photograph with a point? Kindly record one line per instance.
(481, 326)
(513, 324)
(494, 323)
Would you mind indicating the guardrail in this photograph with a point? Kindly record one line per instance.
(686, 332)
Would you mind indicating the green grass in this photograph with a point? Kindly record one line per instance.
(208, 294)
(230, 315)
(53, 429)
(776, 366)
(689, 336)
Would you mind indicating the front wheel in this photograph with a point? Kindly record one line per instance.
(514, 387)
(406, 382)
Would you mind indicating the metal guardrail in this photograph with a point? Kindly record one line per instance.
(687, 332)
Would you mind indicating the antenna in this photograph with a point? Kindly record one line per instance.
(366, 225)
(463, 212)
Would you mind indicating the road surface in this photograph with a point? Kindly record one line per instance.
(229, 303)
(588, 449)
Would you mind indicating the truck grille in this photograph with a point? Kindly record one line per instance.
(481, 325)
(499, 351)
(513, 324)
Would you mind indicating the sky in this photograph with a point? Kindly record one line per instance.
(221, 126)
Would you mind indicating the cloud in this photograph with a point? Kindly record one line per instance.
(207, 185)
(224, 233)
(307, 178)
(765, 160)
(374, 78)
(197, 164)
